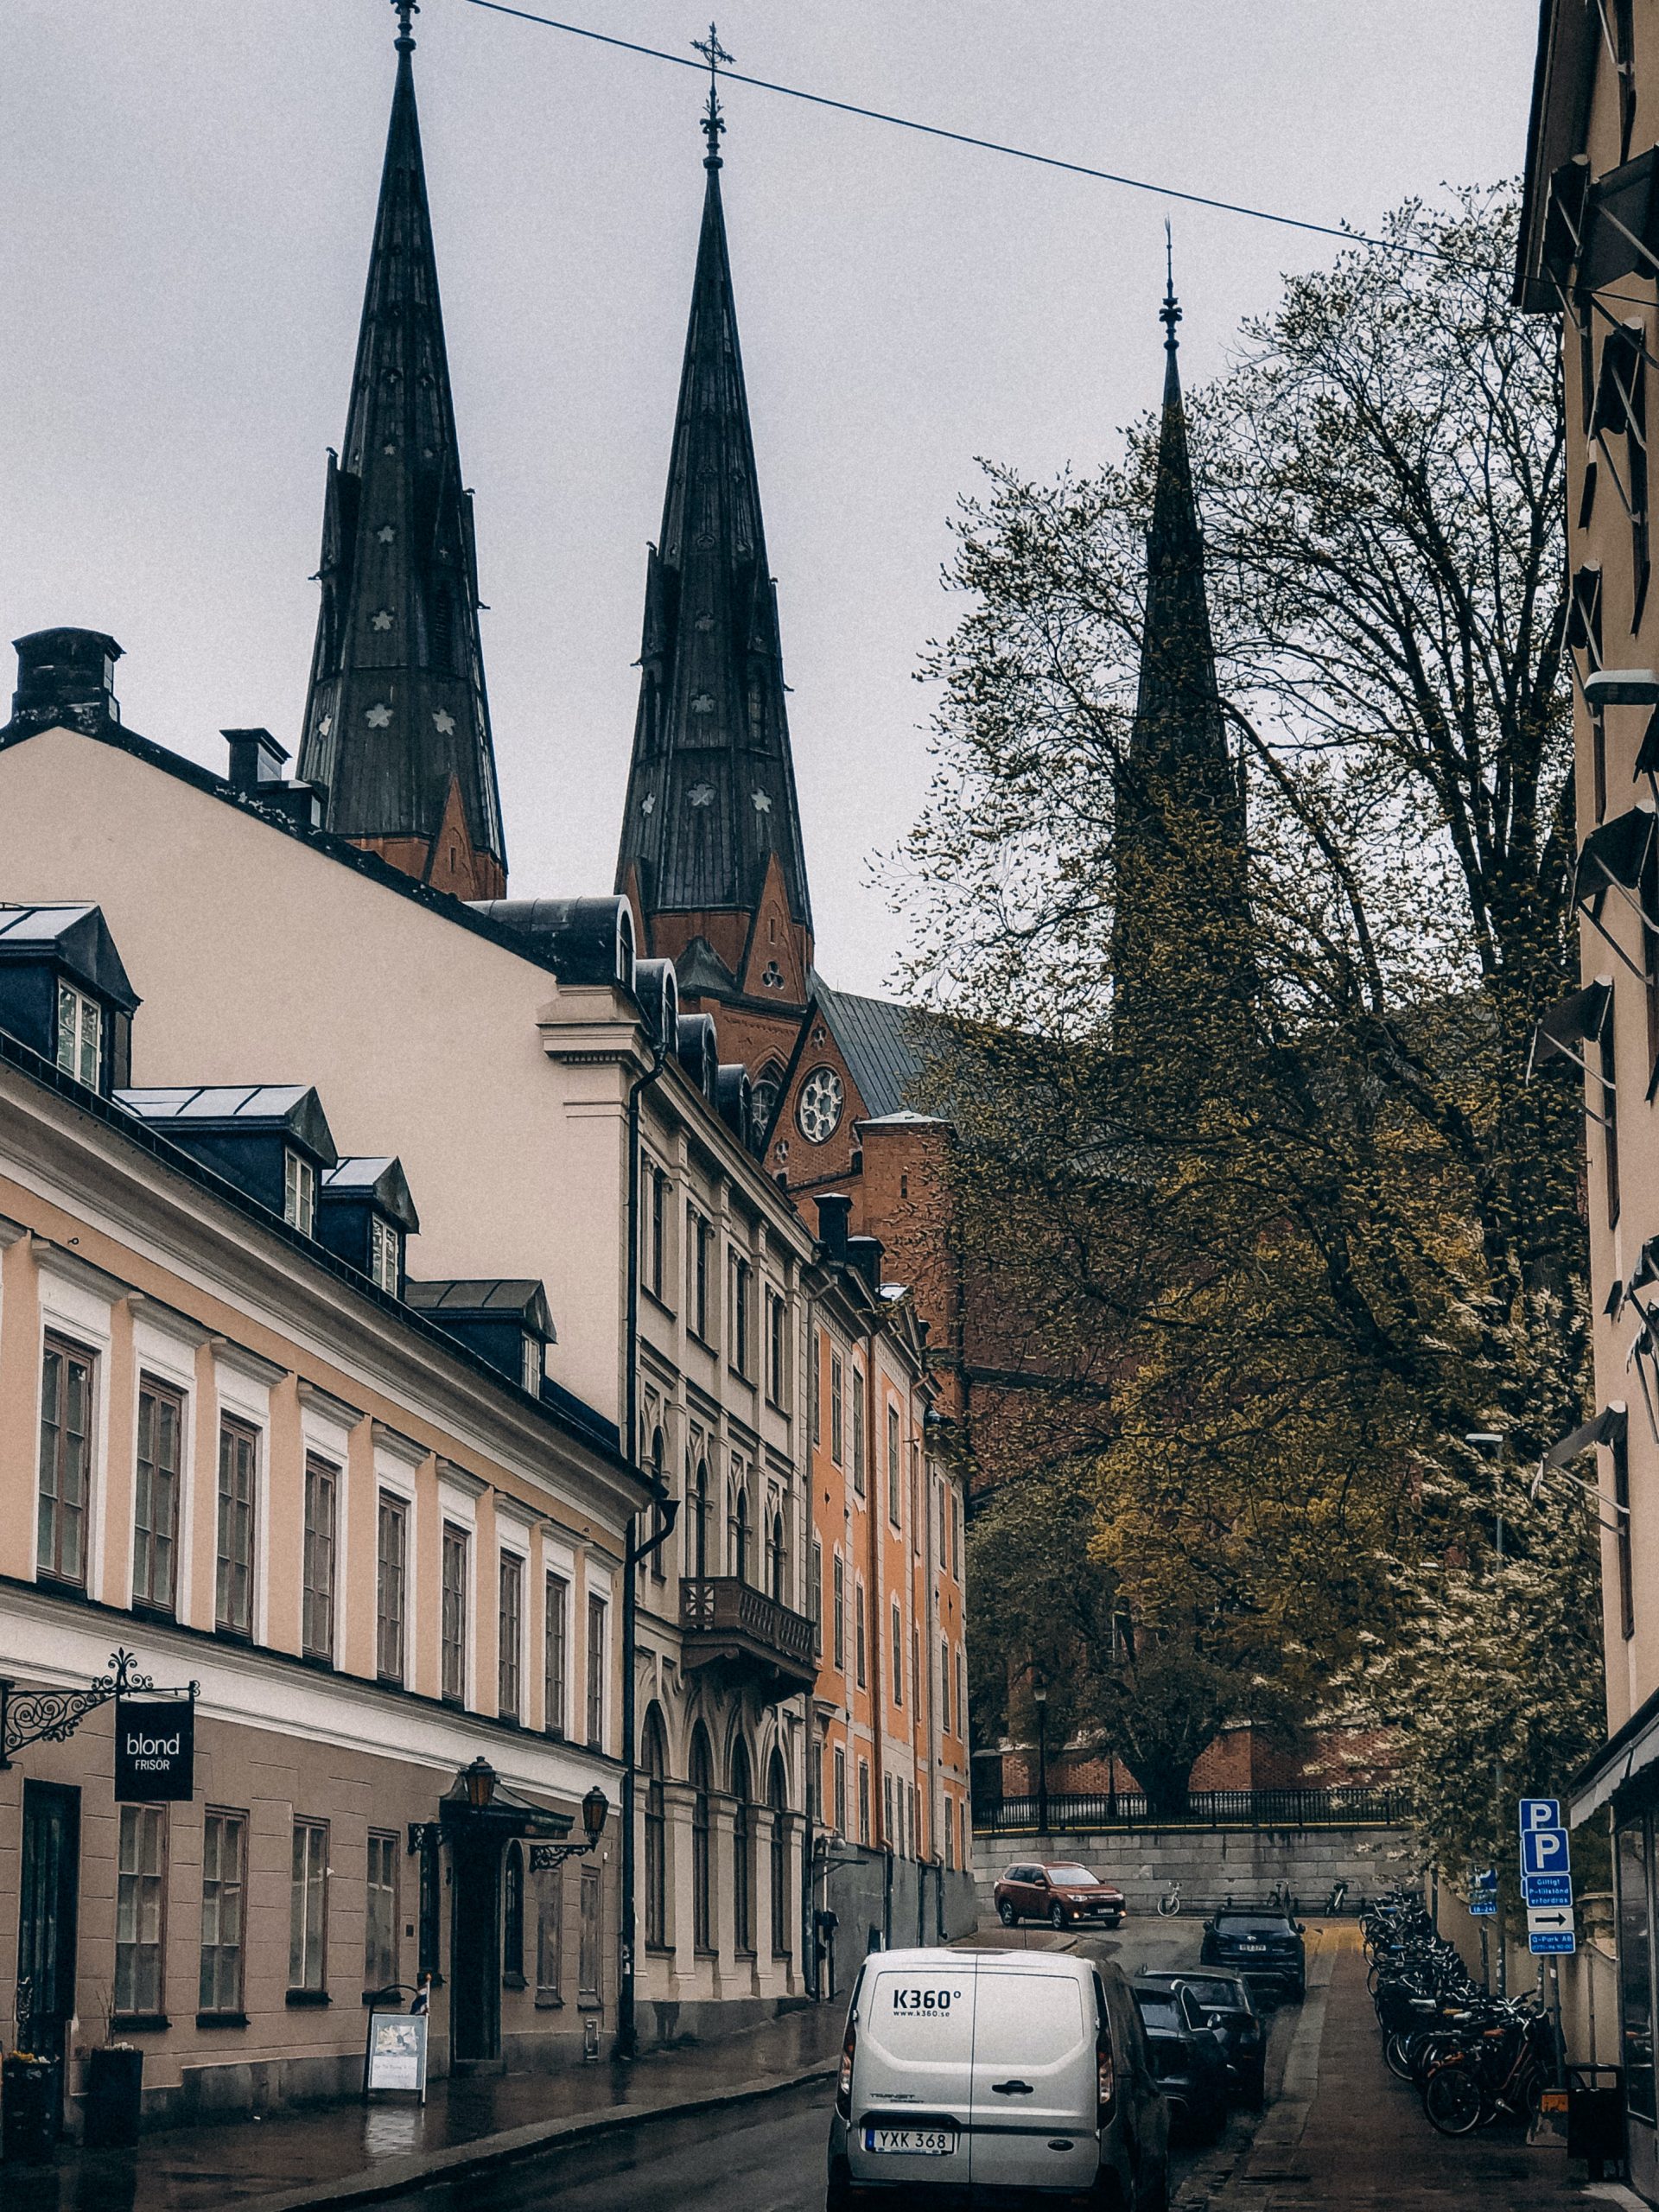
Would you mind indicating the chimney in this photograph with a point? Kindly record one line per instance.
(835, 1211)
(865, 1254)
(66, 676)
(255, 758)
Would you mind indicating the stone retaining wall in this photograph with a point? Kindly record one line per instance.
(1213, 1865)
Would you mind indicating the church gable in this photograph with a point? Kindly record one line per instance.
(776, 958)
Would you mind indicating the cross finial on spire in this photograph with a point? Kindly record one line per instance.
(407, 9)
(714, 53)
(1169, 314)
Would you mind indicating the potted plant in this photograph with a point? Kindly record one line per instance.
(31, 2107)
(115, 2091)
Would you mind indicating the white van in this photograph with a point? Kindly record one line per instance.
(973, 2077)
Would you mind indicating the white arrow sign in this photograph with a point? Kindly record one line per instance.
(1548, 1920)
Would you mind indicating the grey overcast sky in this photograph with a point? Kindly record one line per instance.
(186, 188)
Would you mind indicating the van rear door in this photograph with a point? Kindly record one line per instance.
(1031, 2096)
(910, 2071)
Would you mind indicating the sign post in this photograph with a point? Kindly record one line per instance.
(1547, 1879)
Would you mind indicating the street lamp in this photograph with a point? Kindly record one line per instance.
(480, 1778)
(1039, 1697)
(595, 1805)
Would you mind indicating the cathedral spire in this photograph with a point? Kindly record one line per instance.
(711, 838)
(1180, 822)
(397, 722)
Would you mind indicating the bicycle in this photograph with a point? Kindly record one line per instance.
(1280, 1900)
(1337, 1898)
(1170, 1903)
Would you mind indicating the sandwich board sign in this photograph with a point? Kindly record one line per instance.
(395, 2058)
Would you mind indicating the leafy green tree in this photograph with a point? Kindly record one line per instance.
(1251, 1268)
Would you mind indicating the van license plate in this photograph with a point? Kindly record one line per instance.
(925, 2142)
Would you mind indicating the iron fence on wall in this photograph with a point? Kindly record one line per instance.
(1344, 1806)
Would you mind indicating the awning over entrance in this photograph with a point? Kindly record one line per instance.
(1632, 1751)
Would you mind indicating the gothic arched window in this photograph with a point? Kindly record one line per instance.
(700, 1771)
(778, 1799)
(742, 1852)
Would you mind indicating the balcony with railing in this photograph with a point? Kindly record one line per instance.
(752, 1638)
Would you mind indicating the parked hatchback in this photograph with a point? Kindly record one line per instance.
(1227, 2006)
(1016, 2073)
(1056, 1890)
(1260, 1942)
(1186, 2057)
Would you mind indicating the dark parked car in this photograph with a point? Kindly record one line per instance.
(1260, 1942)
(1188, 2059)
(1227, 2006)
(1059, 1891)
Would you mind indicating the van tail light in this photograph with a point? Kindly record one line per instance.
(844, 2079)
(1105, 2082)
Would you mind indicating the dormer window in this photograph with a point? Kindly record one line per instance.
(386, 1255)
(299, 1193)
(533, 1366)
(80, 1035)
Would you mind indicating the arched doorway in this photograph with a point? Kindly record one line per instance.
(654, 1760)
(700, 1772)
(778, 1799)
(742, 1852)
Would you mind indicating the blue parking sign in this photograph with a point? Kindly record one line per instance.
(1544, 1850)
(1539, 1813)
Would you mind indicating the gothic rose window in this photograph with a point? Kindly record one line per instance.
(819, 1110)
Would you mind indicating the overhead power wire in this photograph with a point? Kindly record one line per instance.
(967, 138)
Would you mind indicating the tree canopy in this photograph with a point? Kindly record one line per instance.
(1261, 1263)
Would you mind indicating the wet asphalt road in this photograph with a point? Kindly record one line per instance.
(764, 2157)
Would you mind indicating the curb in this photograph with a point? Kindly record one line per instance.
(462, 2160)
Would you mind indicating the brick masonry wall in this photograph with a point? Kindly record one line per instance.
(1212, 1864)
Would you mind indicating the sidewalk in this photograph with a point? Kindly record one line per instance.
(1345, 2136)
(335, 2154)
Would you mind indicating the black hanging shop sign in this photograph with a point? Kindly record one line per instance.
(154, 1729)
(154, 1749)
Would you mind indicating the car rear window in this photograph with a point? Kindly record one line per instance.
(1226, 1995)
(1252, 1924)
(1074, 1878)
(1026, 2019)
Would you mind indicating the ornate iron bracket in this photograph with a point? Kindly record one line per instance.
(53, 1716)
(547, 1857)
(421, 1832)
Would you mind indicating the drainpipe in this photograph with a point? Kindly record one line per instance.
(627, 2033)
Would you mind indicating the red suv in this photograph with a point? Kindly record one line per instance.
(1056, 1890)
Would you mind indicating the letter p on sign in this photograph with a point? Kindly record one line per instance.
(1539, 1813)
(1543, 1851)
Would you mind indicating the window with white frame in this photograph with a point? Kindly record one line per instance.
(838, 1611)
(863, 1801)
(140, 1896)
(386, 1255)
(509, 1653)
(380, 1915)
(533, 1365)
(837, 1409)
(80, 1035)
(895, 1509)
(858, 1433)
(742, 1295)
(898, 1655)
(777, 1350)
(317, 1620)
(299, 1192)
(391, 1588)
(158, 1470)
(597, 1611)
(66, 1462)
(555, 1655)
(238, 1449)
(223, 1876)
(307, 1908)
(839, 1815)
(453, 1673)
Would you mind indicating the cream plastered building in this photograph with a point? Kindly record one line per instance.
(258, 1469)
(505, 1050)
(1590, 256)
